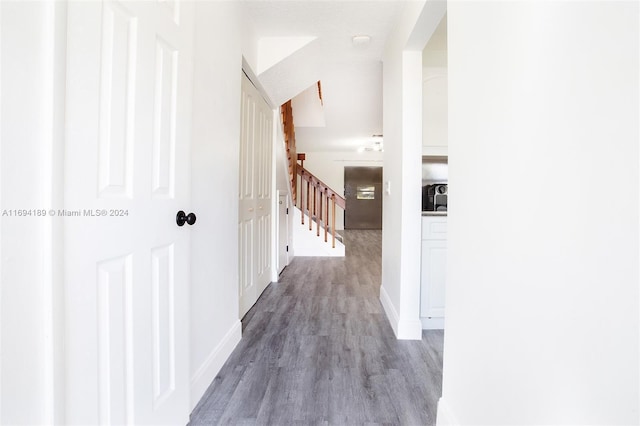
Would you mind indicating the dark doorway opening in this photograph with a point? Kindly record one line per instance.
(363, 193)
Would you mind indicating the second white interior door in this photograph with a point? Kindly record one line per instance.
(255, 245)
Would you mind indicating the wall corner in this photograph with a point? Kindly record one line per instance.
(389, 310)
(445, 416)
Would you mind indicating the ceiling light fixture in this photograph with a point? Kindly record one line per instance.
(361, 40)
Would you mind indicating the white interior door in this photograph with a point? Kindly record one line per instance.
(127, 173)
(254, 228)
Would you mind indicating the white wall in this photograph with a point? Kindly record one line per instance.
(402, 106)
(215, 326)
(24, 132)
(542, 293)
(31, 61)
(308, 108)
(329, 168)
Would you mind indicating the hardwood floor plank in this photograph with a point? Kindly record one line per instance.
(317, 349)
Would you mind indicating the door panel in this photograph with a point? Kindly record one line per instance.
(363, 194)
(117, 95)
(256, 142)
(127, 173)
(248, 292)
(434, 278)
(162, 299)
(115, 340)
(164, 107)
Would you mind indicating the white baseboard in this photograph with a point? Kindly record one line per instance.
(432, 323)
(409, 329)
(389, 309)
(445, 416)
(404, 329)
(214, 362)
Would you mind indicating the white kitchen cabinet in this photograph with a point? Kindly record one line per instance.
(434, 271)
(435, 138)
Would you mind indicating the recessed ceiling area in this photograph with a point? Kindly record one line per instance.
(350, 73)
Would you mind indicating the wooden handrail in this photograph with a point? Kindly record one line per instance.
(320, 93)
(290, 145)
(317, 183)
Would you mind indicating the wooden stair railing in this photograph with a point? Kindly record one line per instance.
(324, 197)
(290, 144)
(317, 205)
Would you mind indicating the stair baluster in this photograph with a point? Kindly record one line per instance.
(333, 221)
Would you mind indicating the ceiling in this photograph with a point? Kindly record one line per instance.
(351, 76)
(435, 52)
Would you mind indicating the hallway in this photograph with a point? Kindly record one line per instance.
(318, 349)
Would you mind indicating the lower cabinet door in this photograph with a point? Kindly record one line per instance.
(433, 279)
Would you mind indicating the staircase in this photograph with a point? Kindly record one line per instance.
(317, 202)
(290, 144)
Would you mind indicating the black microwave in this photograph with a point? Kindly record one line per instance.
(434, 197)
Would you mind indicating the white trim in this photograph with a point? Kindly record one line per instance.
(214, 362)
(438, 151)
(47, 237)
(409, 329)
(445, 416)
(292, 251)
(404, 329)
(432, 323)
(53, 197)
(1, 239)
(253, 78)
(53, 238)
(275, 198)
(389, 309)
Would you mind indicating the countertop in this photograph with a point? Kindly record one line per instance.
(434, 213)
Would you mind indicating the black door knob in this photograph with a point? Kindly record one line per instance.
(182, 218)
(191, 218)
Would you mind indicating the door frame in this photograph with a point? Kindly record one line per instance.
(287, 236)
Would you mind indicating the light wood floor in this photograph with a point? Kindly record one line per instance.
(318, 349)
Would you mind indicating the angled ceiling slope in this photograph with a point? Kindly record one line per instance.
(272, 50)
(301, 42)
